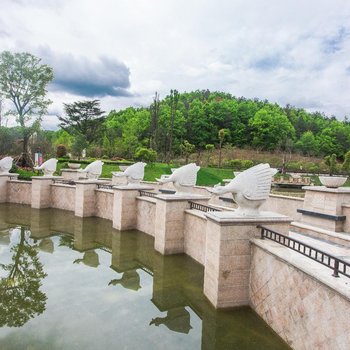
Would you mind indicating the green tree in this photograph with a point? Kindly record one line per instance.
(23, 80)
(221, 135)
(209, 147)
(187, 149)
(331, 162)
(21, 298)
(308, 143)
(270, 127)
(83, 119)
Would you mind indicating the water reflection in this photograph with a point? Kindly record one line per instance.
(21, 298)
(177, 320)
(90, 258)
(136, 297)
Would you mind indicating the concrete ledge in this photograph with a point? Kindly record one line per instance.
(21, 181)
(312, 268)
(146, 199)
(322, 215)
(228, 218)
(181, 197)
(327, 189)
(332, 236)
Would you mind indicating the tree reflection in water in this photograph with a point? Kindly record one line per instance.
(21, 298)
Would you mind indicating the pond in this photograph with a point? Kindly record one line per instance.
(72, 283)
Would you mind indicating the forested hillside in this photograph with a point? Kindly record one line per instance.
(198, 116)
(186, 123)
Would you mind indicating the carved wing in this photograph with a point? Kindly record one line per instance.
(6, 163)
(186, 175)
(50, 164)
(94, 167)
(136, 171)
(255, 182)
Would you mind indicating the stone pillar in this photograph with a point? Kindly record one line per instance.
(125, 206)
(323, 207)
(4, 178)
(169, 221)
(41, 191)
(228, 254)
(85, 197)
(72, 174)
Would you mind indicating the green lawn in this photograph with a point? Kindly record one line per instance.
(206, 176)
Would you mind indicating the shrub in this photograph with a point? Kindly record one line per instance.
(146, 154)
(61, 151)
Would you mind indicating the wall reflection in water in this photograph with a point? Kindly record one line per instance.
(177, 281)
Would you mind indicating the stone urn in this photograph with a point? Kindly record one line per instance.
(74, 165)
(333, 181)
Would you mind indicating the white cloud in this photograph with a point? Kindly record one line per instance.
(288, 52)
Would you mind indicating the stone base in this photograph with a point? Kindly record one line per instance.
(228, 254)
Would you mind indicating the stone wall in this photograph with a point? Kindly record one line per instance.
(104, 204)
(346, 212)
(63, 197)
(304, 311)
(19, 191)
(146, 212)
(284, 205)
(195, 235)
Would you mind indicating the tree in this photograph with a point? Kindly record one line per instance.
(187, 148)
(270, 127)
(23, 80)
(209, 147)
(154, 121)
(346, 164)
(221, 135)
(174, 99)
(331, 162)
(308, 143)
(84, 119)
(21, 298)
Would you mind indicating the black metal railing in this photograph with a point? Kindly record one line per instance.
(338, 266)
(202, 207)
(147, 193)
(105, 187)
(64, 182)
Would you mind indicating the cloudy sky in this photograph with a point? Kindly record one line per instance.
(122, 51)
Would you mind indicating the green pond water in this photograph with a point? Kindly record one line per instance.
(71, 283)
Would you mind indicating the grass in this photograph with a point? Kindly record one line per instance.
(206, 176)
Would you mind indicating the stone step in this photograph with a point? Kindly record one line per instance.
(340, 239)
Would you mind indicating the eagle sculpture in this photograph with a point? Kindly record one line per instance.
(6, 165)
(134, 173)
(93, 170)
(183, 178)
(48, 167)
(249, 188)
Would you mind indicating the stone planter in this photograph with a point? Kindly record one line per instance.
(73, 165)
(333, 181)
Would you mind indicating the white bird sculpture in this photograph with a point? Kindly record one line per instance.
(183, 178)
(48, 167)
(249, 189)
(134, 173)
(6, 165)
(93, 170)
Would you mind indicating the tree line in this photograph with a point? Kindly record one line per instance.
(178, 124)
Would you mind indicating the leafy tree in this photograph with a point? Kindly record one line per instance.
(331, 162)
(346, 163)
(187, 149)
(270, 126)
(221, 135)
(21, 298)
(209, 147)
(84, 119)
(23, 80)
(308, 143)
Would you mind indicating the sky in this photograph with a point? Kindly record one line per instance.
(121, 51)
